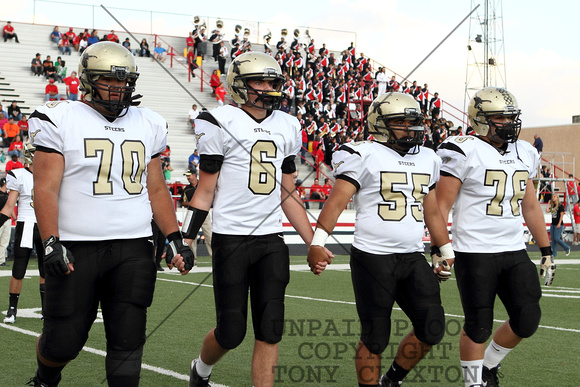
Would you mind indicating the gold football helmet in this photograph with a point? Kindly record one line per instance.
(495, 101)
(108, 59)
(28, 152)
(255, 65)
(396, 106)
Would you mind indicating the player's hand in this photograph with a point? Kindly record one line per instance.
(318, 258)
(178, 253)
(547, 266)
(57, 259)
(441, 265)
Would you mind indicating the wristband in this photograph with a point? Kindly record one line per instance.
(174, 236)
(546, 250)
(447, 251)
(319, 238)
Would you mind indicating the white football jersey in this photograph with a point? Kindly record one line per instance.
(248, 195)
(487, 214)
(103, 194)
(389, 199)
(21, 180)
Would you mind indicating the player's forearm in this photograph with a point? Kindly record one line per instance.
(536, 223)
(294, 211)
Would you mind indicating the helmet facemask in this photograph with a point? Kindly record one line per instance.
(110, 60)
(271, 100)
(505, 132)
(385, 124)
(100, 93)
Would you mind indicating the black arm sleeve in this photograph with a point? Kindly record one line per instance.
(210, 163)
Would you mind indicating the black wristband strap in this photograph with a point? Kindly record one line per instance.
(546, 250)
(193, 221)
(174, 236)
(3, 218)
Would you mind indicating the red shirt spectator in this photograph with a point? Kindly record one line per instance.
(72, 86)
(189, 41)
(13, 164)
(23, 124)
(8, 32)
(214, 81)
(326, 188)
(70, 35)
(220, 94)
(51, 91)
(16, 145)
(112, 37)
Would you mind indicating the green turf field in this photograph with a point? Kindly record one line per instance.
(321, 332)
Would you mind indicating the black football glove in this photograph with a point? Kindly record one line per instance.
(437, 259)
(178, 246)
(56, 257)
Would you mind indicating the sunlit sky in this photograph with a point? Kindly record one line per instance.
(542, 59)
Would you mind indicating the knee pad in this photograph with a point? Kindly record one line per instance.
(20, 264)
(123, 367)
(231, 329)
(479, 325)
(527, 322)
(375, 334)
(271, 326)
(432, 329)
(69, 344)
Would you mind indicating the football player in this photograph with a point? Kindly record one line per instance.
(19, 182)
(489, 178)
(391, 181)
(246, 166)
(97, 183)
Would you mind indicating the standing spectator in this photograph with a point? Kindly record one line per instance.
(64, 46)
(8, 32)
(387, 260)
(72, 87)
(13, 163)
(6, 228)
(220, 94)
(36, 65)
(193, 160)
(160, 53)
(570, 189)
(494, 262)
(382, 80)
(16, 147)
(11, 130)
(166, 154)
(144, 48)
(51, 91)
(249, 204)
(189, 41)
(557, 226)
(14, 111)
(23, 125)
(222, 57)
(192, 115)
(435, 106)
(538, 143)
(114, 260)
(167, 169)
(112, 37)
(576, 214)
(192, 61)
(55, 35)
(214, 81)
(215, 39)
